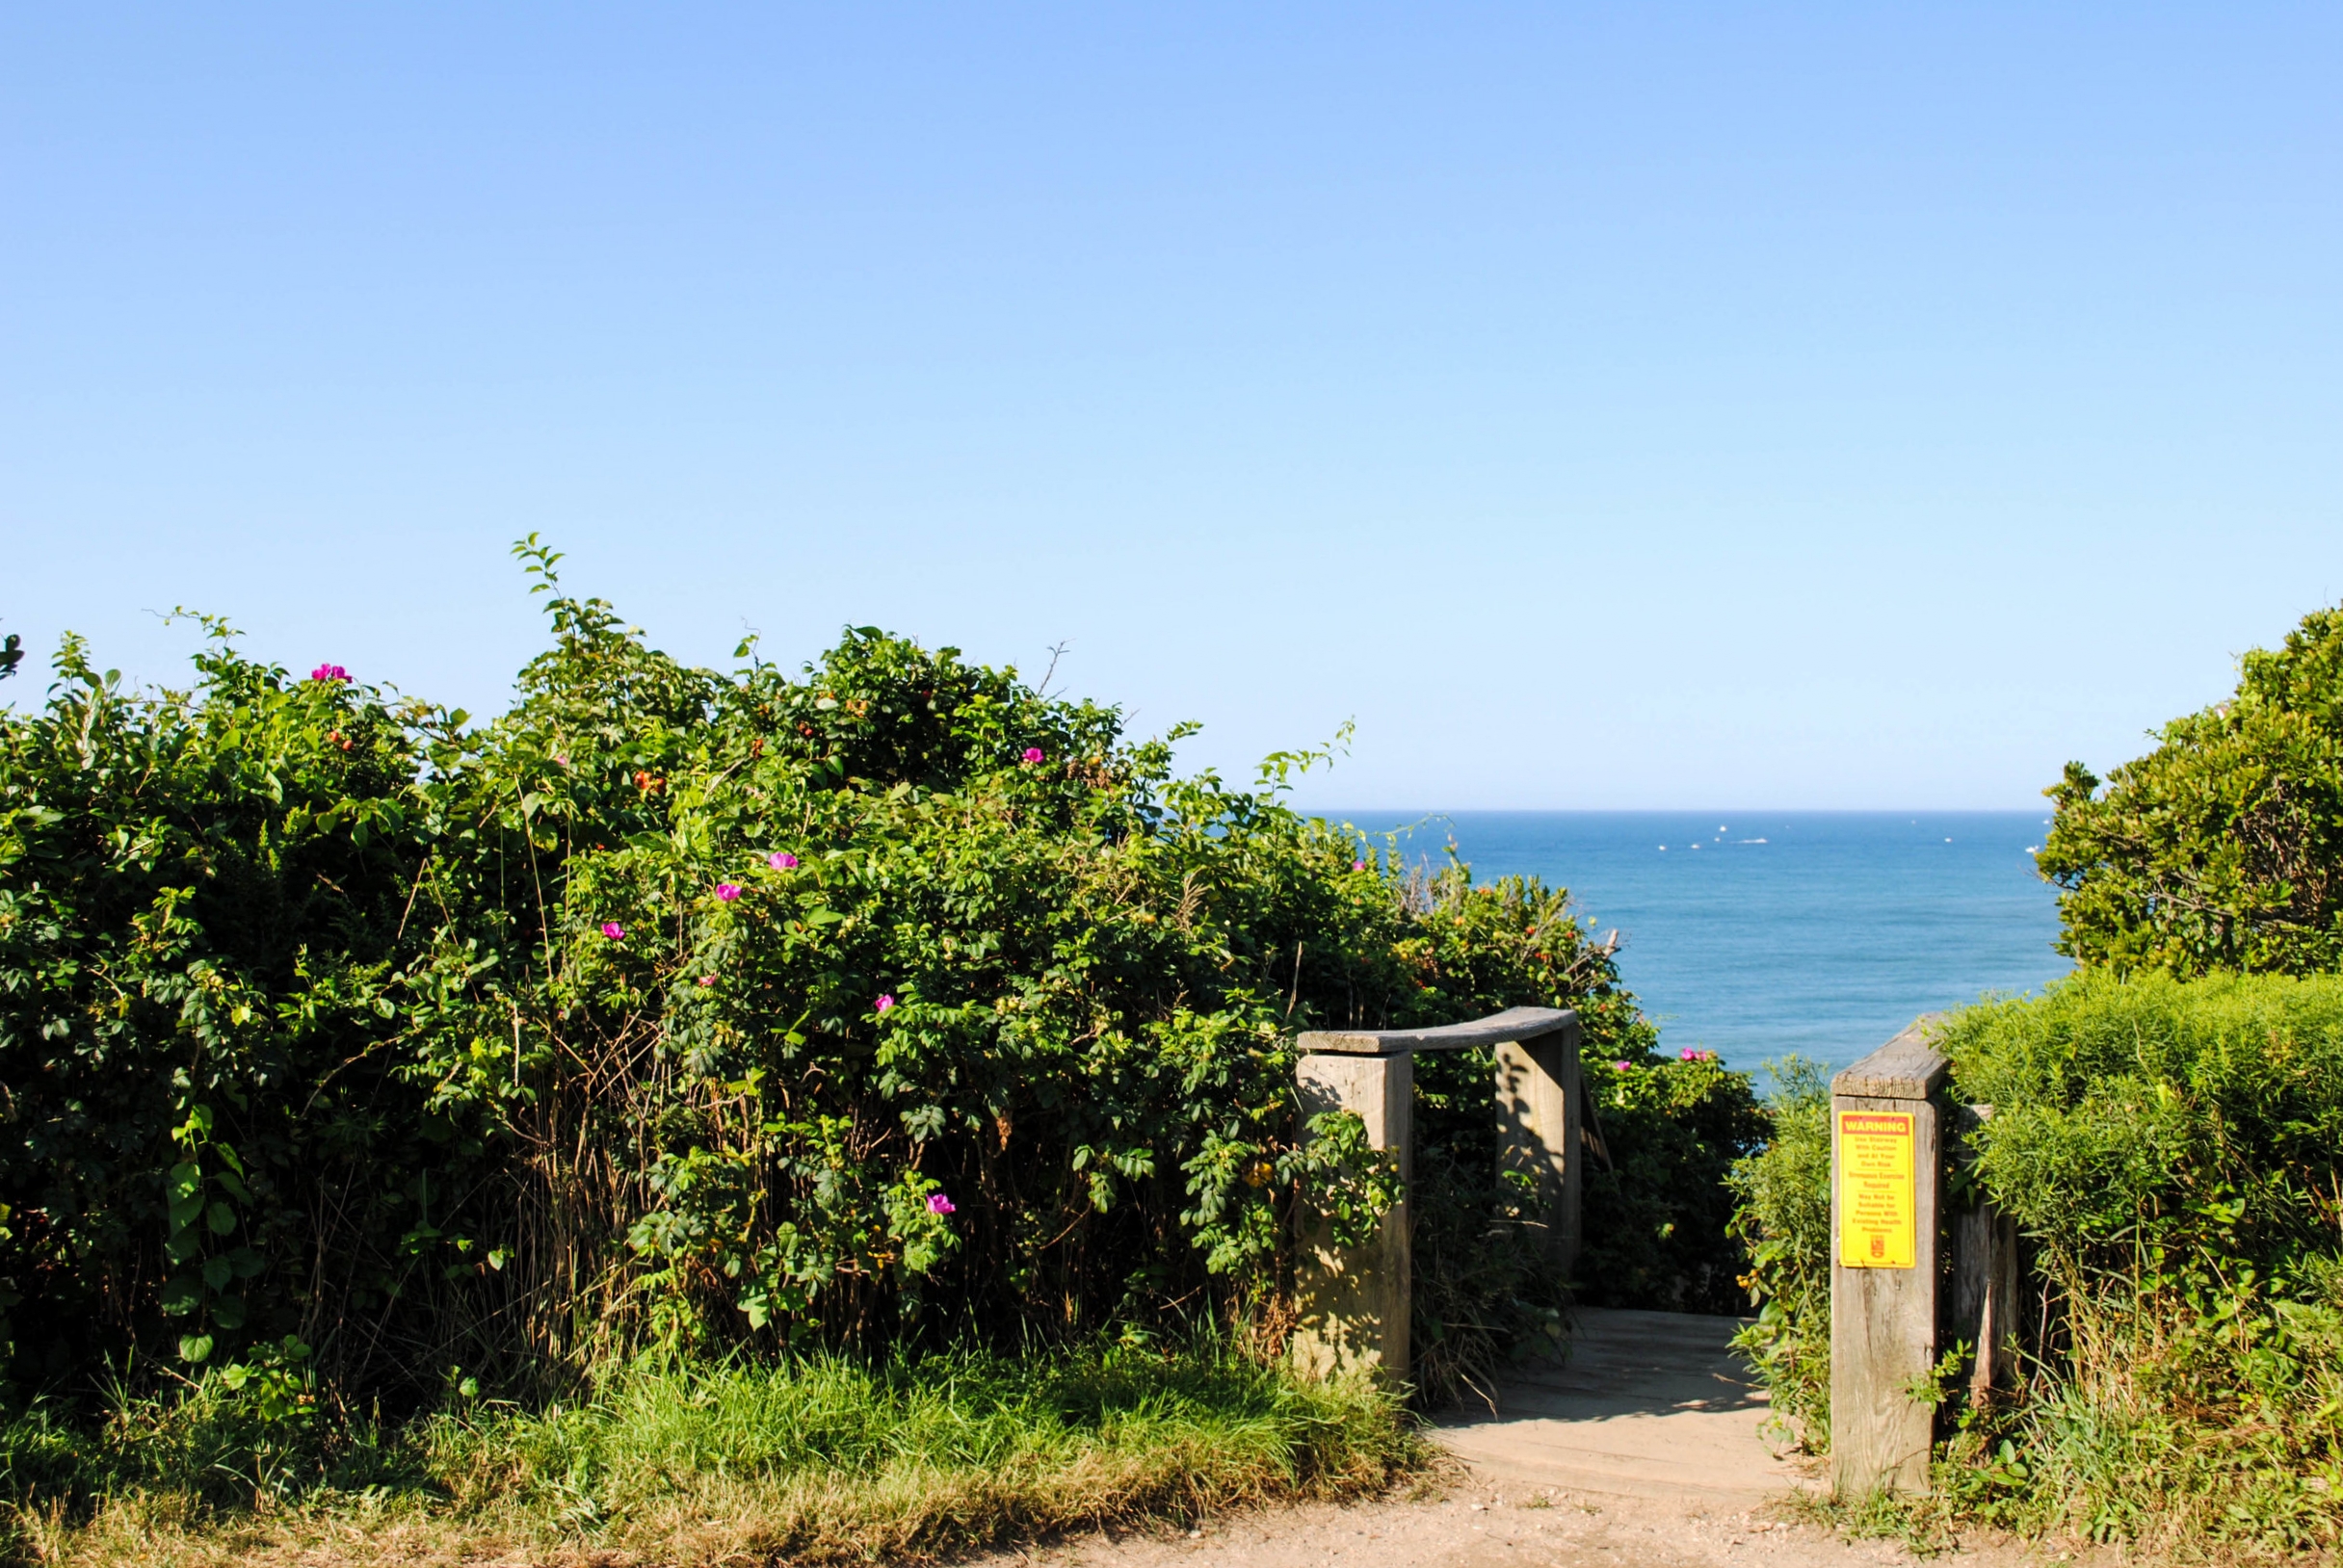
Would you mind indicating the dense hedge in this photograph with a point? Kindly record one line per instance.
(890, 1000)
(2170, 1150)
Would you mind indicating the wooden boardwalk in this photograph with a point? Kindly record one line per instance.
(1648, 1404)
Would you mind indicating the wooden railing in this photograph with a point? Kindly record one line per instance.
(1893, 1300)
(1355, 1304)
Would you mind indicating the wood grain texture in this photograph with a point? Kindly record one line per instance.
(1515, 1024)
(1905, 1068)
(1983, 1308)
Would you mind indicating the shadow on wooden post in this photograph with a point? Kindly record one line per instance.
(1354, 1305)
(1985, 1285)
(1538, 1132)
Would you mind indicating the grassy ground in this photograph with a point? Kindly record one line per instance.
(820, 1461)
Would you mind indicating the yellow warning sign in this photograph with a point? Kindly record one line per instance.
(1876, 1224)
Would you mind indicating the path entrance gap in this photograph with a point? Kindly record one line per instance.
(1646, 1404)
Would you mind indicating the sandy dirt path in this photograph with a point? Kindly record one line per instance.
(1645, 1449)
(1648, 1404)
(1475, 1526)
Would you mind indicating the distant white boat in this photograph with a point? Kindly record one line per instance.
(1748, 841)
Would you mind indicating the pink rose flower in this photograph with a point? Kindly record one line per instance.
(1358, 865)
(781, 860)
(613, 930)
(707, 980)
(728, 891)
(1619, 1065)
(329, 672)
(884, 1003)
(939, 1204)
(1032, 753)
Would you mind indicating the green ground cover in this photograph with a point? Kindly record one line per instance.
(815, 1459)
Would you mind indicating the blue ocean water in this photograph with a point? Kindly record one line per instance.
(1757, 935)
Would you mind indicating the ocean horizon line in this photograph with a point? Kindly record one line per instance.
(1679, 811)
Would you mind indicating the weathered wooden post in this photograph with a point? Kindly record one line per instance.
(1984, 1283)
(1354, 1305)
(1886, 1175)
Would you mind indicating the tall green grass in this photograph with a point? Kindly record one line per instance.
(817, 1459)
(1010, 1444)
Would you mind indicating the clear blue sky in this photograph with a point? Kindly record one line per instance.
(1613, 406)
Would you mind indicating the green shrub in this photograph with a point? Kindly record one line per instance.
(888, 1004)
(2145, 1127)
(1782, 1218)
(208, 1135)
(1658, 1213)
(2221, 849)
